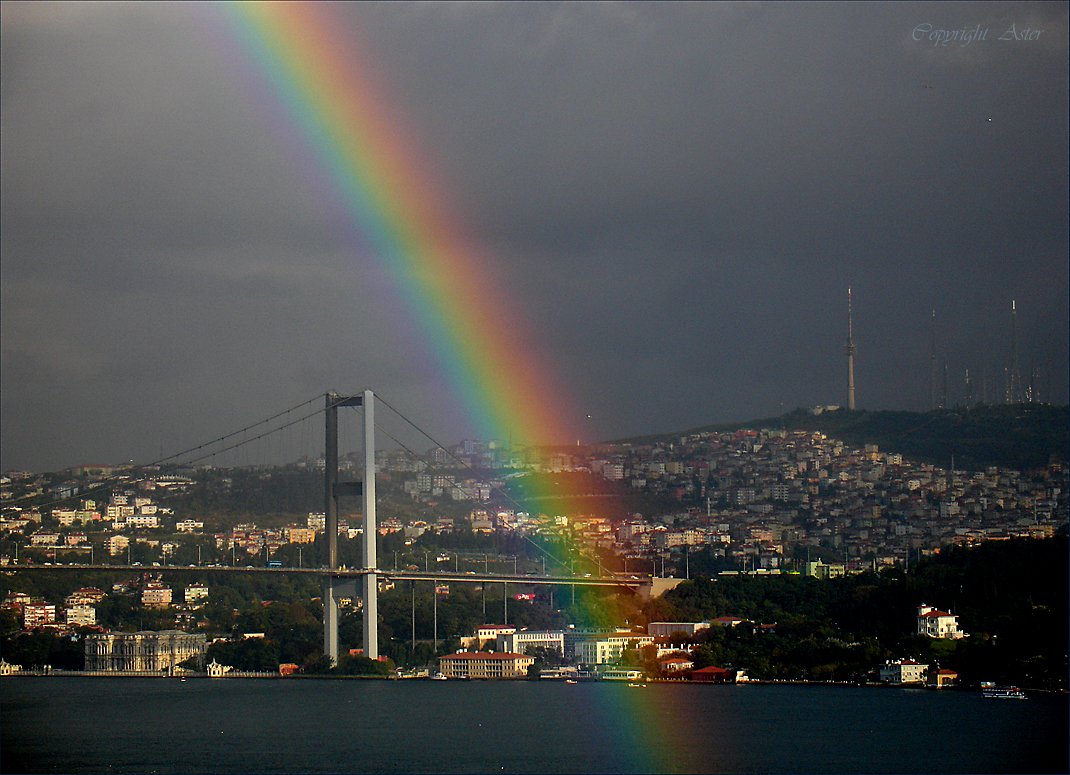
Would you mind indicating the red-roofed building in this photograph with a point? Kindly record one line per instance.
(38, 615)
(942, 678)
(484, 664)
(938, 624)
(728, 621)
(676, 663)
(713, 674)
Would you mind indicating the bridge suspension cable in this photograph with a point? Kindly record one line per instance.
(463, 464)
(165, 461)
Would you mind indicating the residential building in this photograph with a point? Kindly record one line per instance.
(84, 596)
(81, 616)
(943, 677)
(488, 633)
(820, 570)
(938, 624)
(728, 621)
(523, 641)
(609, 648)
(38, 615)
(903, 671)
(300, 535)
(675, 663)
(196, 593)
(156, 595)
(666, 629)
(116, 544)
(483, 664)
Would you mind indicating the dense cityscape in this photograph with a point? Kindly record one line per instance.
(789, 507)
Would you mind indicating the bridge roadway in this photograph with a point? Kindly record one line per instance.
(344, 573)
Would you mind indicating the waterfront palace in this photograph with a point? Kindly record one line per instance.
(143, 651)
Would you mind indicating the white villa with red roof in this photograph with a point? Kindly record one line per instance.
(938, 624)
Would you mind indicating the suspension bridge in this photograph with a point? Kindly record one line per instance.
(340, 581)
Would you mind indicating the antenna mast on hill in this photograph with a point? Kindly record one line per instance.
(1014, 390)
(932, 362)
(850, 351)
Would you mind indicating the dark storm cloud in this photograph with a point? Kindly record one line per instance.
(677, 196)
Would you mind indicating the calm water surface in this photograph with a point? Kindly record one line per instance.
(201, 725)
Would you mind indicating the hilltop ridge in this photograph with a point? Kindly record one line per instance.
(1012, 435)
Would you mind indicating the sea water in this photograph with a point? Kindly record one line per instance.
(63, 724)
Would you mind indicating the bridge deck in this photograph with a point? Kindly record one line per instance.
(342, 573)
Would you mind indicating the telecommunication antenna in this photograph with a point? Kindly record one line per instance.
(850, 352)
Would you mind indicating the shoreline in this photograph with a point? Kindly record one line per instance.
(235, 675)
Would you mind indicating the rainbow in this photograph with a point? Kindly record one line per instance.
(450, 287)
(449, 284)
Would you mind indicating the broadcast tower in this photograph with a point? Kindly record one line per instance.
(850, 350)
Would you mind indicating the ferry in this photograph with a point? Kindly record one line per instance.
(992, 692)
(621, 674)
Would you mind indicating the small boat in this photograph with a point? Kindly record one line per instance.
(438, 677)
(992, 692)
(571, 681)
(637, 686)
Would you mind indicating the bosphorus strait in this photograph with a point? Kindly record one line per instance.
(166, 726)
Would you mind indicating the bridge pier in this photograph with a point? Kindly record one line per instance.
(330, 620)
(333, 491)
(370, 532)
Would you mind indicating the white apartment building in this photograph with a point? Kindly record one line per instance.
(523, 641)
(489, 632)
(116, 544)
(38, 614)
(65, 517)
(665, 629)
(80, 616)
(903, 671)
(196, 593)
(156, 595)
(608, 648)
(938, 624)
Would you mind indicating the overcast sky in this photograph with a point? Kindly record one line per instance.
(676, 198)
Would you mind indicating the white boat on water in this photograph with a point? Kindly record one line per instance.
(992, 692)
(439, 677)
